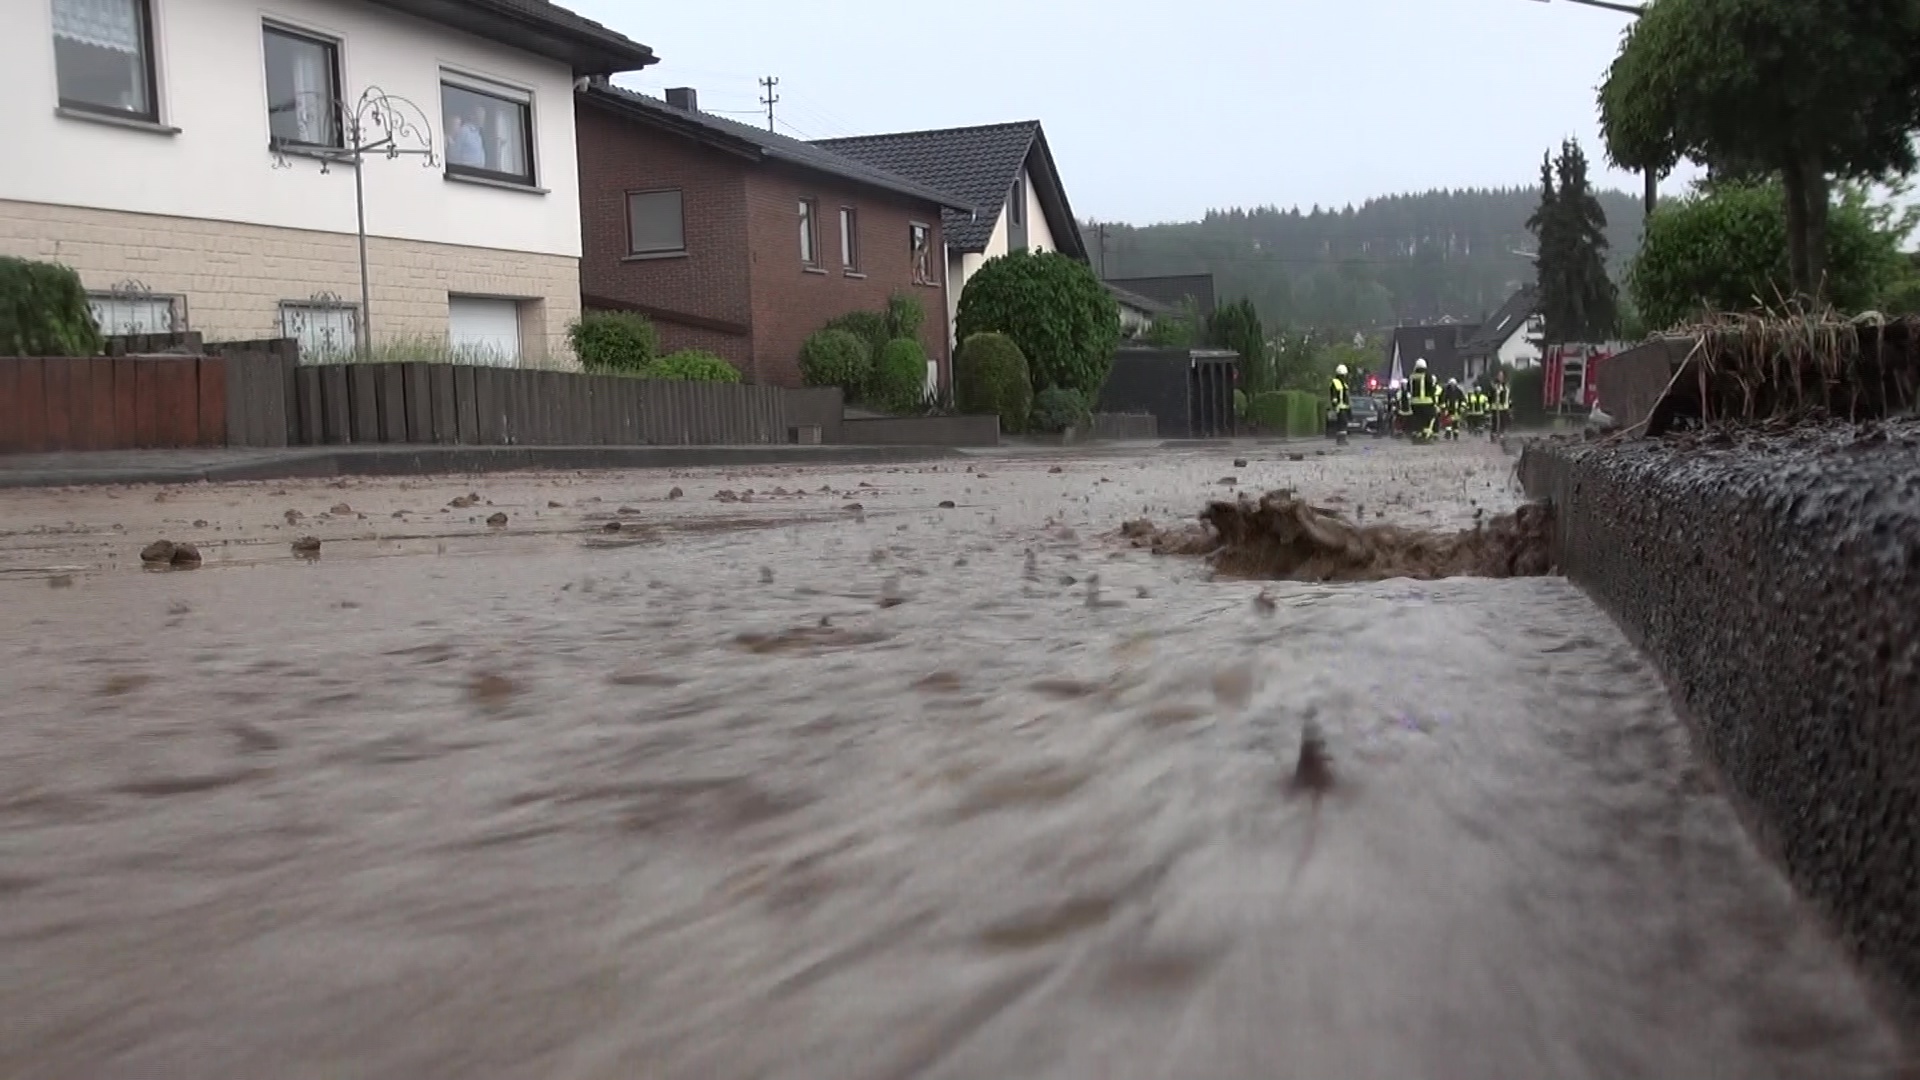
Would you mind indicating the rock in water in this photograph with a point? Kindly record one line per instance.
(159, 551)
(307, 547)
(498, 520)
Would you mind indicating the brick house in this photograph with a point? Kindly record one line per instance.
(743, 242)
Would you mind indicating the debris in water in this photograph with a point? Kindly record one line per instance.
(553, 504)
(498, 520)
(766, 575)
(60, 581)
(307, 547)
(1282, 537)
(1056, 469)
(1228, 481)
(854, 508)
(1239, 463)
(157, 552)
(461, 502)
(611, 526)
(341, 510)
(946, 504)
(675, 493)
(1313, 772)
(1264, 603)
(1296, 457)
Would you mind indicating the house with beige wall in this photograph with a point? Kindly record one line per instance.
(1006, 170)
(187, 158)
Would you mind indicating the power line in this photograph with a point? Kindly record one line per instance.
(770, 98)
(796, 131)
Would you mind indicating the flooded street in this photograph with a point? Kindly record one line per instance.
(734, 785)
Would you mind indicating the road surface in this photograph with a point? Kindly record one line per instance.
(763, 786)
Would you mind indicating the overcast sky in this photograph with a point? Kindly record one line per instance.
(1161, 110)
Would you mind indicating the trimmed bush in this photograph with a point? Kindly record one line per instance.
(693, 365)
(1293, 413)
(1239, 404)
(1066, 323)
(44, 312)
(614, 342)
(899, 380)
(990, 376)
(869, 326)
(836, 358)
(1056, 410)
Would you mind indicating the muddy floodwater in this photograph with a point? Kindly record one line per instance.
(733, 785)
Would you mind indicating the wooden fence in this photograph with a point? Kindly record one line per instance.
(257, 394)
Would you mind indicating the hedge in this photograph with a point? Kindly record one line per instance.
(693, 365)
(614, 342)
(899, 380)
(1295, 414)
(836, 358)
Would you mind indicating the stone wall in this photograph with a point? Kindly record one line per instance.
(235, 277)
(1776, 583)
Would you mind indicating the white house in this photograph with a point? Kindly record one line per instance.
(1511, 336)
(1004, 169)
(174, 153)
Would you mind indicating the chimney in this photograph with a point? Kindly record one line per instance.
(683, 97)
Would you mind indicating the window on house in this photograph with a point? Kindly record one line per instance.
(1432, 344)
(850, 239)
(303, 89)
(135, 311)
(1017, 202)
(921, 249)
(325, 331)
(809, 248)
(103, 56)
(655, 225)
(488, 133)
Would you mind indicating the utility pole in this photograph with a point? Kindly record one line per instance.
(1100, 230)
(768, 84)
(1635, 10)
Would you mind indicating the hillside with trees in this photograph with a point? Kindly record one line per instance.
(1391, 260)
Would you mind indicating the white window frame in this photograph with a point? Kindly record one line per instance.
(150, 44)
(504, 91)
(338, 47)
(808, 212)
(850, 239)
(932, 275)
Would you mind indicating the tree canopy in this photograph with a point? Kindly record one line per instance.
(1065, 322)
(1578, 301)
(1803, 89)
(1724, 248)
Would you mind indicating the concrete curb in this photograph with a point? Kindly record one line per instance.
(158, 467)
(1777, 586)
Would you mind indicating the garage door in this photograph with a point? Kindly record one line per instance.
(484, 330)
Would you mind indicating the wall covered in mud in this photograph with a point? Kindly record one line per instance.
(1776, 582)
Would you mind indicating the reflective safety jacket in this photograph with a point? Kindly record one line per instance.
(1422, 389)
(1402, 404)
(1452, 397)
(1476, 403)
(1502, 397)
(1337, 393)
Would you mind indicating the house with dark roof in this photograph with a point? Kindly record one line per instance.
(191, 162)
(1137, 313)
(743, 242)
(1510, 336)
(1173, 290)
(1438, 344)
(1006, 175)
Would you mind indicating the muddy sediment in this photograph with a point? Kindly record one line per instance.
(457, 803)
(1773, 573)
(1281, 536)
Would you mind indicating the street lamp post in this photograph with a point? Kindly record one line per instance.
(1635, 10)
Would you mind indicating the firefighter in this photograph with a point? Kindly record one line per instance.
(1402, 410)
(1452, 401)
(1476, 409)
(1423, 398)
(1500, 404)
(1339, 403)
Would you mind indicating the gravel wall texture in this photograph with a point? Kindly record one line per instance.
(1775, 580)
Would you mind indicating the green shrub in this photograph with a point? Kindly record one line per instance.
(614, 342)
(899, 380)
(905, 316)
(836, 357)
(1293, 413)
(990, 376)
(1239, 404)
(1066, 323)
(44, 312)
(693, 365)
(1055, 409)
(870, 327)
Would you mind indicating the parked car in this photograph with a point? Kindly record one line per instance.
(1369, 416)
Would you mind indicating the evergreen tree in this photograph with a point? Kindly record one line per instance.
(1578, 301)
